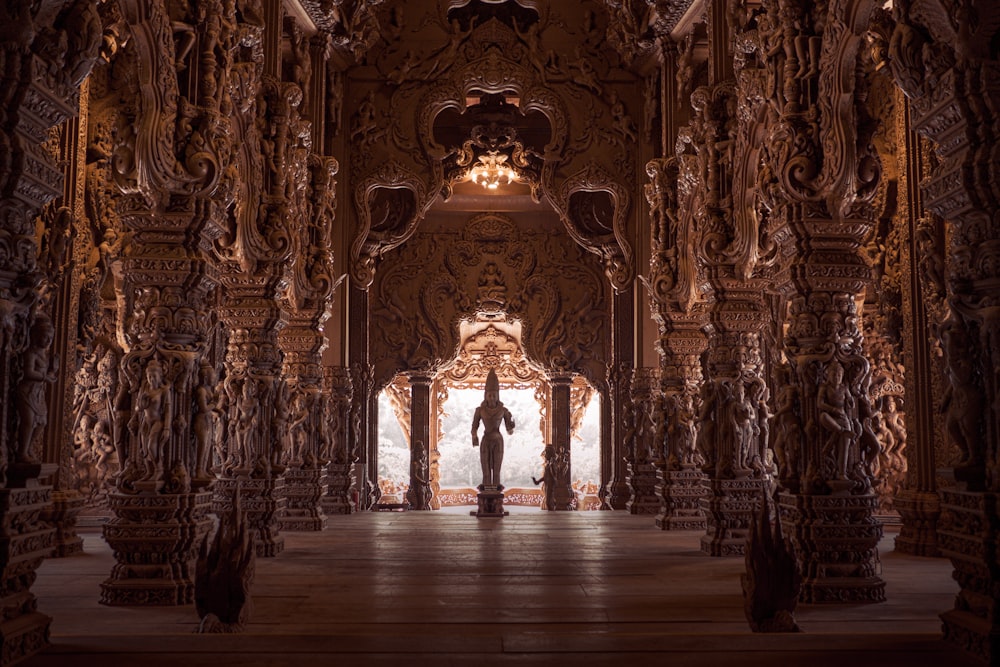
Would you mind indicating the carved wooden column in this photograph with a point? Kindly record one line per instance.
(643, 447)
(340, 481)
(309, 295)
(679, 310)
(42, 66)
(918, 503)
(419, 493)
(559, 410)
(616, 492)
(820, 175)
(173, 203)
(952, 78)
(63, 220)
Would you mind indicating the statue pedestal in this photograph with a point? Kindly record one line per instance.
(642, 484)
(155, 538)
(968, 534)
(490, 504)
(66, 505)
(339, 481)
(835, 538)
(680, 493)
(25, 542)
(729, 509)
(264, 501)
(304, 489)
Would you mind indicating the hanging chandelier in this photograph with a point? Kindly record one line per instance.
(492, 171)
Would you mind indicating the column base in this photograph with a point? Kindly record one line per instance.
(730, 507)
(62, 514)
(490, 504)
(968, 535)
(679, 493)
(920, 511)
(835, 540)
(25, 541)
(642, 483)
(264, 503)
(155, 538)
(339, 482)
(304, 489)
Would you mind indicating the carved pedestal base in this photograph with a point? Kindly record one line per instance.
(62, 514)
(642, 484)
(303, 491)
(339, 481)
(264, 501)
(25, 541)
(920, 512)
(835, 540)
(679, 493)
(729, 506)
(155, 538)
(969, 535)
(490, 504)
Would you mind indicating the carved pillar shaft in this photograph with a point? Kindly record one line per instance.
(733, 433)
(340, 481)
(832, 492)
(645, 447)
(419, 493)
(918, 503)
(680, 479)
(561, 434)
(953, 99)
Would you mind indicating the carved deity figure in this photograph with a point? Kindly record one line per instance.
(963, 402)
(297, 429)
(153, 419)
(40, 368)
(204, 421)
(836, 406)
(246, 422)
(491, 412)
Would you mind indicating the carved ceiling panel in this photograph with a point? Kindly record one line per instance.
(495, 271)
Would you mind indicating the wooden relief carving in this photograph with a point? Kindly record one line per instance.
(552, 135)
(541, 280)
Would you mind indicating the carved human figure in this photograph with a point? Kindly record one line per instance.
(548, 480)
(963, 402)
(297, 435)
(787, 431)
(742, 419)
(204, 421)
(154, 414)
(40, 368)
(836, 405)
(246, 422)
(491, 413)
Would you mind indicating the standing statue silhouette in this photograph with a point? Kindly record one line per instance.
(491, 412)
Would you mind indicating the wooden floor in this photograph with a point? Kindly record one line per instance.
(534, 588)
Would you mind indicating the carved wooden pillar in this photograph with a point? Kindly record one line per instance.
(42, 64)
(364, 402)
(679, 310)
(952, 79)
(309, 295)
(561, 433)
(642, 445)
(616, 488)
(63, 223)
(168, 275)
(822, 173)
(918, 503)
(419, 493)
(340, 482)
